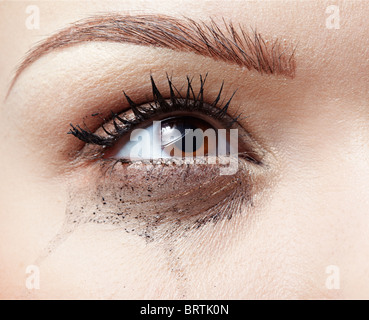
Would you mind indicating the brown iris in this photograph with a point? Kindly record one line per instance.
(187, 137)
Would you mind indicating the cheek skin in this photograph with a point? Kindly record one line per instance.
(179, 213)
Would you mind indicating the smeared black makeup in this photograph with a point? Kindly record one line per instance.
(161, 200)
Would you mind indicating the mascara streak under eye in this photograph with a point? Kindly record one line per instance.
(162, 205)
(159, 201)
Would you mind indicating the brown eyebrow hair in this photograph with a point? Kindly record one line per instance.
(234, 45)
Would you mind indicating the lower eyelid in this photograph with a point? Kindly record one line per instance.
(160, 201)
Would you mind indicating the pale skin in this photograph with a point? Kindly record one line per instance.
(312, 212)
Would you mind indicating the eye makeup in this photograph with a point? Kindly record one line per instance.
(140, 114)
(162, 199)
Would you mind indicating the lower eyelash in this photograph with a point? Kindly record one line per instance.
(191, 102)
(162, 202)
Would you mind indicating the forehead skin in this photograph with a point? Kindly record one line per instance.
(315, 124)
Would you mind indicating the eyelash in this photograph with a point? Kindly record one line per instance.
(158, 107)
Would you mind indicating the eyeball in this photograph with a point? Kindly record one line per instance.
(174, 137)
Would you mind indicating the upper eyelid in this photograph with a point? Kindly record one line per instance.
(233, 45)
(195, 104)
(218, 110)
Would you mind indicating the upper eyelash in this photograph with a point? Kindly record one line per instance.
(189, 102)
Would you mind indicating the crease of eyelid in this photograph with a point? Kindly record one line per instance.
(220, 41)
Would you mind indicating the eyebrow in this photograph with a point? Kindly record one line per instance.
(220, 41)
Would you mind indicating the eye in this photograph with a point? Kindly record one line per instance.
(161, 197)
(167, 138)
(180, 137)
(177, 127)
